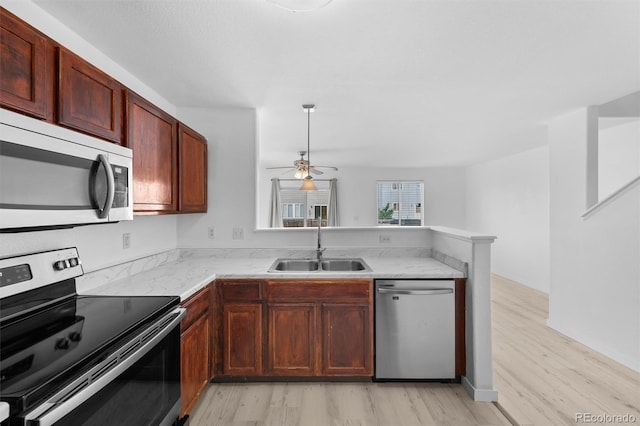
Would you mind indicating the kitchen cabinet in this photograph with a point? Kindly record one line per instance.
(347, 339)
(291, 347)
(194, 346)
(295, 328)
(89, 100)
(327, 326)
(192, 165)
(239, 351)
(152, 135)
(27, 68)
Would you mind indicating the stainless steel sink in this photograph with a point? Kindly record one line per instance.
(313, 265)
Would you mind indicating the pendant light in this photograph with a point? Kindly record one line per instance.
(300, 5)
(308, 184)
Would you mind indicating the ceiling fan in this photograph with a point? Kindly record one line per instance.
(303, 168)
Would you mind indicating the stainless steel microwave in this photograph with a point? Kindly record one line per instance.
(52, 177)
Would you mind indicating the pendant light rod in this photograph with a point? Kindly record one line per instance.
(307, 184)
(308, 108)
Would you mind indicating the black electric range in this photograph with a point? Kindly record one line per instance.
(50, 337)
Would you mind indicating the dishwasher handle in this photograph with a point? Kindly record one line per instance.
(426, 292)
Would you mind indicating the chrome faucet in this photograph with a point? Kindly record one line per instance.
(319, 248)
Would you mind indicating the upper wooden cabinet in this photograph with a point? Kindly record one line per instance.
(88, 99)
(152, 134)
(40, 78)
(27, 71)
(192, 160)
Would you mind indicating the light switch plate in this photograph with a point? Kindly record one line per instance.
(238, 234)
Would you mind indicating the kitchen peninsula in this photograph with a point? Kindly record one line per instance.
(454, 254)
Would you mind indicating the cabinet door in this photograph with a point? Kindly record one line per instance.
(195, 362)
(88, 99)
(291, 349)
(347, 340)
(24, 68)
(193, 170)
(242, 339)
(152, 135)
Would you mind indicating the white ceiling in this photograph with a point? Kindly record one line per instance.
(396, 82)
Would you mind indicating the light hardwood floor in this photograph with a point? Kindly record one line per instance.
(543, 378)
(321, 404)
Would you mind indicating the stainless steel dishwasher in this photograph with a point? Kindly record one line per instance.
(415, 329)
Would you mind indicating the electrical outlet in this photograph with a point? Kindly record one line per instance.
(126, 240)
(211, 232)
(384, 239)
(238, 234)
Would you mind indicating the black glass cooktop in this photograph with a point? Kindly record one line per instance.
(42, 349)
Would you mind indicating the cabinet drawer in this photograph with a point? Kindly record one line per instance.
(241, 290)
(196, 306)
(319, 290)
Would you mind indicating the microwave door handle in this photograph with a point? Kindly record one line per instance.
(104, 212)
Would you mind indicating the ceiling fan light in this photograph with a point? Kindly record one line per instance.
(301, 174)
(308, 184)
(300, 5)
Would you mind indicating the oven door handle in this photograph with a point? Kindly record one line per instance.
(84, 387)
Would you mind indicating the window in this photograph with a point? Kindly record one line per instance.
(400, 203)
(302, 208)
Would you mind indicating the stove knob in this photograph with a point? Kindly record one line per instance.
(62, 343)
(75, 336)
(59, 265)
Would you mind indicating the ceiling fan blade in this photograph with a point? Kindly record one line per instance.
(316, 172)
(335, 169)
(284, 167)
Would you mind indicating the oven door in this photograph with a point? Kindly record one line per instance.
(139, 384)
(51, 177)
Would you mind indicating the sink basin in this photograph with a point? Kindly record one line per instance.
(326, 265)
(294, 265)
(351, 265)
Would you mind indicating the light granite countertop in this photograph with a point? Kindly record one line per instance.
(184, 272)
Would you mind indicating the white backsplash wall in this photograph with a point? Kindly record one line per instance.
(99, 246)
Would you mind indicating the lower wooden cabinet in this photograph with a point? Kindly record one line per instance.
(242, 339)
(291, 349)
(294, 328)
(347, 340)
(194, 346)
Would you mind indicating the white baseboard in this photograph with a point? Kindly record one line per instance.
(481, 395)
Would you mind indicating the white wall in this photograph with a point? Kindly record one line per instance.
(594, 266)
(509, 197)
(99, 245)
(232, 138)
(444, 189)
